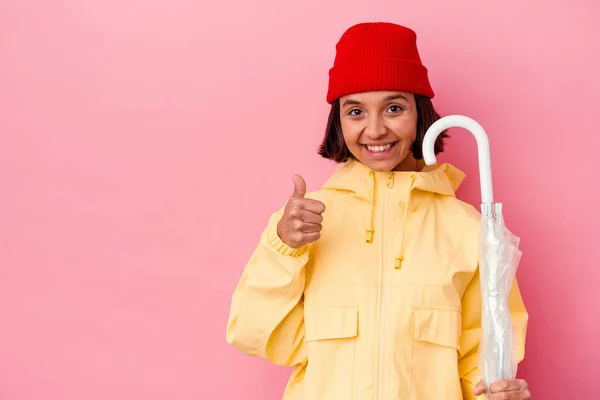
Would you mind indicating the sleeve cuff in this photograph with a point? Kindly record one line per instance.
(279, 245)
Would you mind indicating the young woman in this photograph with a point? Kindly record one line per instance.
(369, 287)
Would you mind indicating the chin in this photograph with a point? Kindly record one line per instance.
(380, 165)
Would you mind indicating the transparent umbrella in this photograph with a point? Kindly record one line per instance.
(498, 260)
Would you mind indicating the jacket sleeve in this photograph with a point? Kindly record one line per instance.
(471, 332)
(267, 315)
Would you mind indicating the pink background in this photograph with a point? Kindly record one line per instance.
(143, 145)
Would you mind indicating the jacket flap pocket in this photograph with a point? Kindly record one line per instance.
(441, 326)
(330, 322)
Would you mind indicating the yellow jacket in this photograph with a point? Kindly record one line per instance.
(386, 305)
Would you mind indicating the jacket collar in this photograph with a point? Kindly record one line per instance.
(353, 176)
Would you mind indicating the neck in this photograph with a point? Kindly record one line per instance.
(408, 164)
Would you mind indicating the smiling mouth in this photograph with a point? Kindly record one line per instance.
(380, 148)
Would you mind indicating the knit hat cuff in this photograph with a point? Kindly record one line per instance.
(374, 75)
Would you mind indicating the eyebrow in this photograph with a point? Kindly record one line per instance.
(351, 102)
(396, 97)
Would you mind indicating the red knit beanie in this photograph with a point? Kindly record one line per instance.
(377, 56)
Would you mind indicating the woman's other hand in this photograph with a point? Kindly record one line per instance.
(512, 389)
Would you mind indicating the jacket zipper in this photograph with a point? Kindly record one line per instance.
(382, 370)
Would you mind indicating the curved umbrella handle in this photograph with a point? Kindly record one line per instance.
(483, 149)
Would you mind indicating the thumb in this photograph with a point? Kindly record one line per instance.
(299, 187)
(480, 388)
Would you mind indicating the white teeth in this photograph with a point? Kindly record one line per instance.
(379, 149)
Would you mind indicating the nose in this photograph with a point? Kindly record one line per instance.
(375, 127)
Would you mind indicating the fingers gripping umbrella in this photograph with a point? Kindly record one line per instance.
(498, 259)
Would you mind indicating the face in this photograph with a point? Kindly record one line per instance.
(379, 129)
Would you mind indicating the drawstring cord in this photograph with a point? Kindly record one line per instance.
(370, 228)
(400, 256)
(370, 231)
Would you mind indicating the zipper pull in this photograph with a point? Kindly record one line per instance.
(390, 183)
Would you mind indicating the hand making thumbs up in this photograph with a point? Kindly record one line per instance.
(301, 221)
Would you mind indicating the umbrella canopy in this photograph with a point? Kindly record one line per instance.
(498, 259)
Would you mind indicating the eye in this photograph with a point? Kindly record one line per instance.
(395, 108)
(355, 112)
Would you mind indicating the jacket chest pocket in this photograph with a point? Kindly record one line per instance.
(435, 347)
(330, 334)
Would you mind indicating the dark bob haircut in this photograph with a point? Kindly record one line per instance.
(334, 147)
